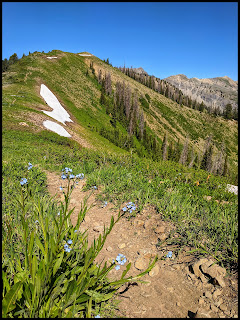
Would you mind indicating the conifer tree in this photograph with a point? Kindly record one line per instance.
(184, 153)
(228, 111)
(141, 124)
(164, 148)
(170, 151)
(5, 65)
(206, 163)
(13, 59)
(192, 158)
(225, 167)
(100, 76)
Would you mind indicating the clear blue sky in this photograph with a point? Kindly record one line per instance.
(198, 39)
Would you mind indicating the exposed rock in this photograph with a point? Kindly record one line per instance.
(121, 245)
(98, 228)
(202, 314)
(160, 229)
(23, 124)
(218, 302)
(162, 236)
(213, 92)
(139, 223)
(141, 263)
(217, 293)
(109, 249)
(216, 272)
(140, 70)
(208, 295)
(154, 271)
(223, 307)
(196, 265)
(213, 308)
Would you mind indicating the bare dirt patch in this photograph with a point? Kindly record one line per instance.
(173, 290)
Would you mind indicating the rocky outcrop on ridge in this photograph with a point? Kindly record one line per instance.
(213, 92)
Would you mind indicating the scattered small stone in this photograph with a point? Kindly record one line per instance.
(23, 124)
(201, 301)
(202, 314)
(98, 228)
(214, 308)
(154, 271)
(217, 293)
(141, 263)
(178, 304)
(203, 278)
(208, 295)
(218, 302)
(162, 236)
(109, 249)
(139, 223)
(170, 289)
(196, 265)
(223, 307)
(160, 229)
(121, 246)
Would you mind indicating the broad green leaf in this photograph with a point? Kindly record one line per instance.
(8, 303)
(58, 263)
(126, 271)
(34, 266)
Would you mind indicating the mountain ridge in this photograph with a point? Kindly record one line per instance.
(213, 92)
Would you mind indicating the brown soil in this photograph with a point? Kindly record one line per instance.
(172, 290)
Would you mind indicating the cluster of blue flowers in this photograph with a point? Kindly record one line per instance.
(169, 255)
(120, 260)
(30, 166)
(66, 246)
(67, 173)
(105, 204)
(23, 181)
(130, 206)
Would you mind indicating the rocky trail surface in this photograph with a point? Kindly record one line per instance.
(178, 287)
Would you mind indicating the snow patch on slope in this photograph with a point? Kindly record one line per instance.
(58, 113)
(55, 127)
(52, 57)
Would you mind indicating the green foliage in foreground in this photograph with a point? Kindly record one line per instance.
(48, 269)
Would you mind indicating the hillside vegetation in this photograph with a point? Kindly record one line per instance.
(125, 161)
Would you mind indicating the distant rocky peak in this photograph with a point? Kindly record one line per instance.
(139, 70)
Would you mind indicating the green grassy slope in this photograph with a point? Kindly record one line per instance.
(122, 175)
(80, 93)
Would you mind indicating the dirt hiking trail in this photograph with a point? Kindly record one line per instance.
(178, 287)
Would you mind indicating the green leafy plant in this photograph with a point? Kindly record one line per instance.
(56, 274)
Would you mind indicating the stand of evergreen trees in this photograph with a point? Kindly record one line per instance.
(122, 105)
(175, 94)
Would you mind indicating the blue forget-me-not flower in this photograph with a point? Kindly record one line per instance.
(23, 181)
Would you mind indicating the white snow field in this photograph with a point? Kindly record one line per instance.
(85, 55)
(58, 113)
(52, 57)
(232, 188)
(55, 127)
